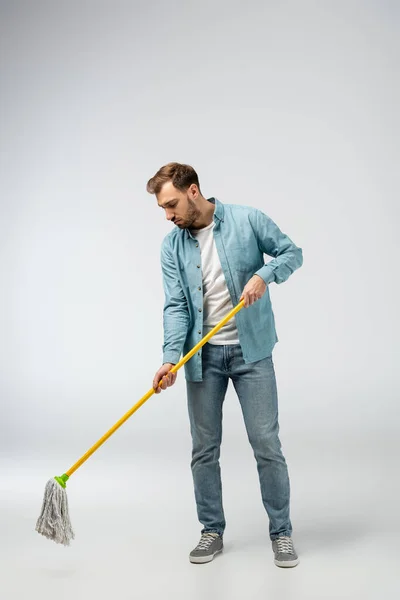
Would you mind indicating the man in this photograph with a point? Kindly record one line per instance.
(211, 260)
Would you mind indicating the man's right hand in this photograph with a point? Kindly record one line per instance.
(164, 376)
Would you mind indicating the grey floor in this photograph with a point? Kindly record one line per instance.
(135, 524)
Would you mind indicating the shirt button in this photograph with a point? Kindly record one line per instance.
(199, 332)
(198, 266)
(200, 309)
(199, 288)
(197, 245)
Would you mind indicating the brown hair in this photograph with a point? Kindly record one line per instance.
(182, 177)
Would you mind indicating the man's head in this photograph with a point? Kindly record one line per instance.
(177, 190)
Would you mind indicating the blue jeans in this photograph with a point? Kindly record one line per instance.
(255, 385)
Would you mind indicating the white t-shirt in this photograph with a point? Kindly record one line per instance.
(216, 298)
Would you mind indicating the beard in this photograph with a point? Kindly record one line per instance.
(192, 214)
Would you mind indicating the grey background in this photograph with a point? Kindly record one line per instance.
(291, 107)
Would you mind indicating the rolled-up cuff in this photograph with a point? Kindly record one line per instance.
(171, 357)
(266, 273)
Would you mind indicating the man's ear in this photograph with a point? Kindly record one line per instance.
(193, 191)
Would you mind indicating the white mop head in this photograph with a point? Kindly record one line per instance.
(54, 522)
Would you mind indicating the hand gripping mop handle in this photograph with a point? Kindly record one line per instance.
(63, 479)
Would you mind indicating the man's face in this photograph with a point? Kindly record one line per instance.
(180, 207)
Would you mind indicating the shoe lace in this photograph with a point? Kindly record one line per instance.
(285, 544)
(206, 540)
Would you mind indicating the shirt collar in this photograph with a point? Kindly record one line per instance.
(219, 209)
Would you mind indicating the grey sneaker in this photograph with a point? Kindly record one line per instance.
(285, 554)
(209, 545)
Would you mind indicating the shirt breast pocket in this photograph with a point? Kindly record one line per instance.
(243, 259)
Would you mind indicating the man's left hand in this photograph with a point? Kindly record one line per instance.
(253, 290)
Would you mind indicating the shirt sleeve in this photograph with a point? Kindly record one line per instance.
(287, 257)
(176, 312)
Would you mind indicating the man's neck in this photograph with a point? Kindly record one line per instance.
(207, 213)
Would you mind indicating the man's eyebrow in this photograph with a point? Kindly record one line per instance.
(168, 203)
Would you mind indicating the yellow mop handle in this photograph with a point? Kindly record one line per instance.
(152, 391)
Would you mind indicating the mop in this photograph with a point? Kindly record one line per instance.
(54, 521)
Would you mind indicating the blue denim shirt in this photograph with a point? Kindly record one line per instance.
(242, 236)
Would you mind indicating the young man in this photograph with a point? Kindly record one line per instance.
(211, 260)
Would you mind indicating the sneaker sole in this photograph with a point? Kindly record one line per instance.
(199, 560)
(287, 563)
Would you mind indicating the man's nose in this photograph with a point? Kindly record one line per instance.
(169, 215)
